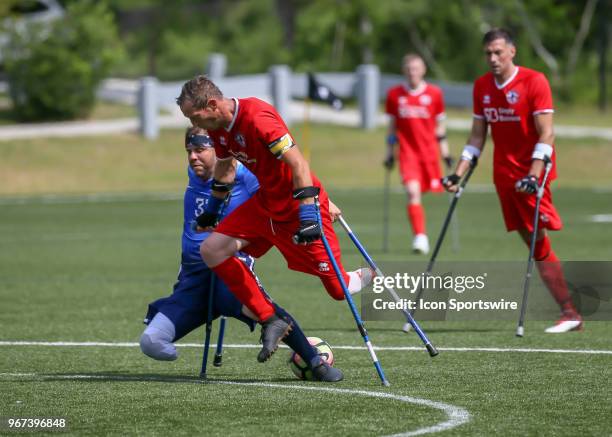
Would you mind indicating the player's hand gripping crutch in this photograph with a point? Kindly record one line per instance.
(347, 295)
(430, 347)
(520, 330)
(449, 215)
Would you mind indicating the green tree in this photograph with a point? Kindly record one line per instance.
(55, 68)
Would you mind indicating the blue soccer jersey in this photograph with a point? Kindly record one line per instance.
(196, 197)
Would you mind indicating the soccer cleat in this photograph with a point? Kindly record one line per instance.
(324, 372)
(566, 324)
(420, 244)
(273, 331)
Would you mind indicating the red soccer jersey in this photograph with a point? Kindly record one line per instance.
(258, 137)
(509, 109)
(416, 113)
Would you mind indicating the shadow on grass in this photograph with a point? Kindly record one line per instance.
(155, 377)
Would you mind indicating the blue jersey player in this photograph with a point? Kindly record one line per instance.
(170, 318)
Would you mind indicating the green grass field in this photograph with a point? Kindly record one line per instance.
(77, 268)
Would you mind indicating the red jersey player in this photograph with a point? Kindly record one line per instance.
(416, 111)
(517, 103)
(280, 214)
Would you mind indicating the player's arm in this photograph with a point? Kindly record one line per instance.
(543, 149)
(443, 143)
(303, 191)
(471, 151)
(300, 171)
(224, 175)
(542, 152)
(391, 141)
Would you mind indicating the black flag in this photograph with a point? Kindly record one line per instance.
(322, 93)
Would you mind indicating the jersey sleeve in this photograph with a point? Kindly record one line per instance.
(273, 133)
(477, 110)
(391, 103)
(540, 95)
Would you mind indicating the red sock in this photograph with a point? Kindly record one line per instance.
(552, 274)
(243, 285)
(416, 215)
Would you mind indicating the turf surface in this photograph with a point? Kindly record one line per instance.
(78, 270)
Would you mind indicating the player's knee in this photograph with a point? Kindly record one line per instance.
(215, 250)
(156, 340)
(155, 346)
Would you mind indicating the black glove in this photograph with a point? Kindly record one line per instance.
(308, 232)
(309, 229)
(449, 161)
(389, 161)
(452, 179)
(529, 184)
(207, 219)
(210, 216)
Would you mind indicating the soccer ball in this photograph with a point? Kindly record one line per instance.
(298, 365)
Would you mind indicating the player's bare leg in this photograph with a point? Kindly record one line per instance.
(416, 215)
(551, 273)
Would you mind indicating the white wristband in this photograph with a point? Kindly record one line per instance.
(469, 152)
(542, 151)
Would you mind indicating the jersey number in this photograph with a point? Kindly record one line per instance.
(200, 203)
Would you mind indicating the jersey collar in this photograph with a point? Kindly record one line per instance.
(506, 83)
(415, 91)
(231, 125)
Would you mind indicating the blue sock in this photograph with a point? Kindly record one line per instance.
(296, 339)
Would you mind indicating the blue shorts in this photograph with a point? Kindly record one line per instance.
(187, 306)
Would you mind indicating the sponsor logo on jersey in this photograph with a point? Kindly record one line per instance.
(240, 139)
(425, 99)
(486, 99)
(512, 97)
(323, 266)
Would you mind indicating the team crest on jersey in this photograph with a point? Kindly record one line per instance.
(240, 139)
(402, 100)
(486, 99)
(223, 141)
(425, 99)
(512, 97)
(323, 267)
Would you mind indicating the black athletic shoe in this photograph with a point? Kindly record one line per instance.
(273, 331)
(326, 373)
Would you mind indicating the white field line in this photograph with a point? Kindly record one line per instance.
(255, 346)
(456, 416)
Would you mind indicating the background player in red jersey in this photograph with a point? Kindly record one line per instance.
(517, 103)
(416, 111)
(281, 213)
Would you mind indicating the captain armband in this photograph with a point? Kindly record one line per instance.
(470, 152)
(280, 146)
(542, 151)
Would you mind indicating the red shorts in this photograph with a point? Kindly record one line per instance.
(251, 222)
(426, 172)
(518, 209)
